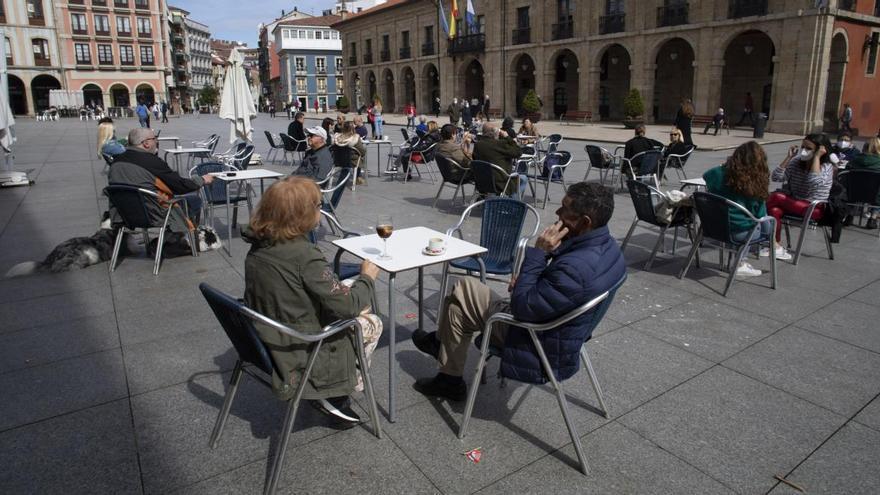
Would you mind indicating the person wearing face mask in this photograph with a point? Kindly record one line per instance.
(574, 260)
(844, 148)
(141, 166)
(807, 174)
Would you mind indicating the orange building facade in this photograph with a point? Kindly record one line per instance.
(853, 75)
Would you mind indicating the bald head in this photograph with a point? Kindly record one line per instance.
(489, 130)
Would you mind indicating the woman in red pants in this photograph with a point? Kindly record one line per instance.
(806, 174)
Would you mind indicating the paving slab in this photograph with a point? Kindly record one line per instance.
(846, 463)
(870, 415)
(733, 428)
(847, 320)
(55, 308)
(88, 451)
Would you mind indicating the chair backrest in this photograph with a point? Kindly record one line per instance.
(503, 220)
(133, 205)
(647, 161)
(714, 212)
(644, 198)
(270, 139)
(243, 157)
(212, 142)
(862, 186)
(215, 192)
(562, 158)
(289, 143)
(555, 138)
(341, 156)
(239, 328)
(338, 183)
(596, 157)
(484, 177)
(445, 166)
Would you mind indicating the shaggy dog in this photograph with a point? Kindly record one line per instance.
(80, 252)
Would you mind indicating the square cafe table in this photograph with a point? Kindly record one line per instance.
(378, 144)
(241, 175)
(176, 152)
(405, 248)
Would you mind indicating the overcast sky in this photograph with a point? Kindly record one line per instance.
(238, 19)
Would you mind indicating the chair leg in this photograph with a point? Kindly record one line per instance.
(629, 233)
(695, 247)
(227, 404)
(119, 236)
(193, 242)
(657, 244)
(740, 254)
(444, 281)
(437, 196)
(594, 380)
(278, 463)
(800, 243)
(563, 404)
(546, 194)
(475, 384)
(828, 243)
(368, 383)
(772, 259)
(158, 261)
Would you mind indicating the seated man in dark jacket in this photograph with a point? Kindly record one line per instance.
(143, 152)
(497, 147)
(296, 130)
(317, 162)
(638, 144)
(573, 261)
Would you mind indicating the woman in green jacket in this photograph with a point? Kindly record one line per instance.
(744, 179)
(288, 279)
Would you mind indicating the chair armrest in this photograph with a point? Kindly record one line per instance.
(549, 325)
(327, 331)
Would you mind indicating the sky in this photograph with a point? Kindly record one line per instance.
(238, 19)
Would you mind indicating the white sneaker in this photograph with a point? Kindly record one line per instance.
(747, 270)
(781, 253)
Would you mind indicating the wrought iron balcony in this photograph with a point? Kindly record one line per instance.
(521, 36)
(563, 30)
(352, 61)
(673, 15)
(427, 49)
(405, 52)
(746, 8)
(847, 5)
(385, 55)
(368, 58)
(466, 44)
(613, 23)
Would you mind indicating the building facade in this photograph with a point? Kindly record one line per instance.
(198, 41)
(310, 57)
(33, 58)
(269, 63)
(798, 62)
(190, 43)
(112, 50)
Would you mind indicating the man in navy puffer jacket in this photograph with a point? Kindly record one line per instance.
(573, 261)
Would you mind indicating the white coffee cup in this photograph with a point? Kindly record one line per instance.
(435, 244)
(179, 147)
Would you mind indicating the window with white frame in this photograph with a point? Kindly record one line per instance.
(126, 55)
(322, 84)
(301, 86)
(319, 35)
(147, 55)
(144, 26)
(339, 65)
(123, 26)
(102, 24)
(105, 54)
(83, 54)
(300, 64)
(321, 65)
(78, 24)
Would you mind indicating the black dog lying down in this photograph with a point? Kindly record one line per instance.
(80, 252)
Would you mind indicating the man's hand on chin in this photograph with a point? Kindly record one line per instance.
(551, 237)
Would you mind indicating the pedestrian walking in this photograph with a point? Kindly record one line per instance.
(164, 109)
(846, 118)
(683, 118)
(748, 109)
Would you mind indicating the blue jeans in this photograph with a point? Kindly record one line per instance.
(378, 123)
(743, 235)
(143, 122)
(193, 205)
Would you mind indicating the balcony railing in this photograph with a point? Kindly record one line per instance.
(847, 5)
(405, 52)
(612, 23)
(427, 49)
(99, 3)
(42, 62)
(368, 58)
(385, 55)
(102, 32)
(746, 8)
(521, 36)
(142, 4)
(352, 61)
(321, 70)
(80, 32)
(563, 30)
(673, 15)
(120, 4)
(469, 43)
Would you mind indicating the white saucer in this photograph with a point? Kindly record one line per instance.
(430, 253)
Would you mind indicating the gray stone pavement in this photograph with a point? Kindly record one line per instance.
(112, 383)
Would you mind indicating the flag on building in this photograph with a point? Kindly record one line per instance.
(453, 15)
(443, 22)
(470, 17)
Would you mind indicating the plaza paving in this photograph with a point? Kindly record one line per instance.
(111, 382)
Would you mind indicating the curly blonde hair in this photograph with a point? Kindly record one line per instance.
(746, 171)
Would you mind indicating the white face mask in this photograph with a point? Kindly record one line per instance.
(806, 154)
(844, 144)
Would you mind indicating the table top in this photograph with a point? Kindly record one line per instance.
(405, 247)
(254, 173)
(698, 181)
(168, 138)
(376, 141)
(186, 150)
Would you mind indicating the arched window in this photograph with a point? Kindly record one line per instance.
(41, 51)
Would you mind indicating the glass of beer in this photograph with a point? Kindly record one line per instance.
(384, 227)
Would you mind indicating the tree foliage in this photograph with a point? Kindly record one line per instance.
(209, 96)
(633, 106)
(530, 102)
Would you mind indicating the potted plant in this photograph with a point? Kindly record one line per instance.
(532, 106)
(633, 109)
(342, 104)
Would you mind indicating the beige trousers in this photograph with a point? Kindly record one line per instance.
(464, 314)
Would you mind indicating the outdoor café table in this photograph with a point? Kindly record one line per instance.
(241, 175)
(169, 138)
(696, 183)
(405, 247)
(176, 152)
(378, 143)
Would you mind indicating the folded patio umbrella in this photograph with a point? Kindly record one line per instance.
(236, 103)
